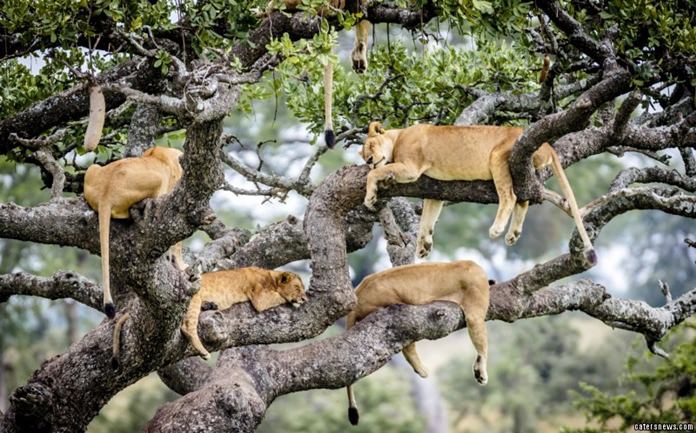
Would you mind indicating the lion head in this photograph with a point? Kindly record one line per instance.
(289, 285)
(377, 150)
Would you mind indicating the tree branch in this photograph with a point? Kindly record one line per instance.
(63, 284)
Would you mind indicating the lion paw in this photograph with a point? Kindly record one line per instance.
(370, 200)
(421, 371)
(359, 65)
(423, 247)
(495, 231)
(511, 237)
(480, 373)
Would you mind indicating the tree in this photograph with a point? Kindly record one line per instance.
(185, 65)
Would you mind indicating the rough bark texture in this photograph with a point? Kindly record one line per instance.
(67, 391)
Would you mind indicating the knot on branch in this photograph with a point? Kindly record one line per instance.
(32, 406)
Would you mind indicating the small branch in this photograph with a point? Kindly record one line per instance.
(650, 175)
(40, 142)
(621, 151)
(557, 200)
(51, 165)
(165, 103)
(63, 284)
(623, 115)
(600, 52)
(179, 66)
(664, 288)
(687, 154)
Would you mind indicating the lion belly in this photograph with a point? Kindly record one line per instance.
(224, 288)
(453, 152)
(420, 284)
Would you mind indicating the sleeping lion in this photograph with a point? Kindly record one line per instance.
(463, 282)
(220, 290)
(477, 152)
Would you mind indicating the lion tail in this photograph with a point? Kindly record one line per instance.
(353, 414)
(329, 136)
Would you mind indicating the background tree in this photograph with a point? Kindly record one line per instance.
(621, 83)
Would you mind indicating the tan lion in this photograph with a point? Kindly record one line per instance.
(112, 189)
(459, 153)
(265, 289)
(463, 282)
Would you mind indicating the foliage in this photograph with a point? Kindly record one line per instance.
(665, 390)
(532, 367)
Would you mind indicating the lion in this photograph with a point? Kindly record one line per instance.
(220, 290)
(476, 152)
(112, 189)
(463, 282)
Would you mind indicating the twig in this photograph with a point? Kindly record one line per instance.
(557, 200)
(624, 112)
(45, 157)
(165, 103)
(664, 288)
(621, 151)
(687, 155)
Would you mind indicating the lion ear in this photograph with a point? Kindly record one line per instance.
(284, 278)
(374, 129)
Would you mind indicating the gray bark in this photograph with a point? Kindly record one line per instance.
(67, 391)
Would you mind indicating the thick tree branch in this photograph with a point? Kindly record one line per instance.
(63, 284)
(558, 124)
(187, 375)
(248, 379)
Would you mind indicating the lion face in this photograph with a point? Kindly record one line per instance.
(290, 287)
(376, 151)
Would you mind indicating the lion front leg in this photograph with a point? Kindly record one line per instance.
(397, 171)
(515, 229)
(431, 212)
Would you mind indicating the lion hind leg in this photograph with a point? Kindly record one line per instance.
(503, 186)
(359, 54)
(400, 172)
(515, 229)
(190, 326)
(479, 338)
(431, 212)
(475, 308)
(412, 357)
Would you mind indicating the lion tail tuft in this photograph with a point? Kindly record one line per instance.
(330, 138)
(353, 415)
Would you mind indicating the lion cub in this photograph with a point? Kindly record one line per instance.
(475, 152)
(265, 289)
(463, 282)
